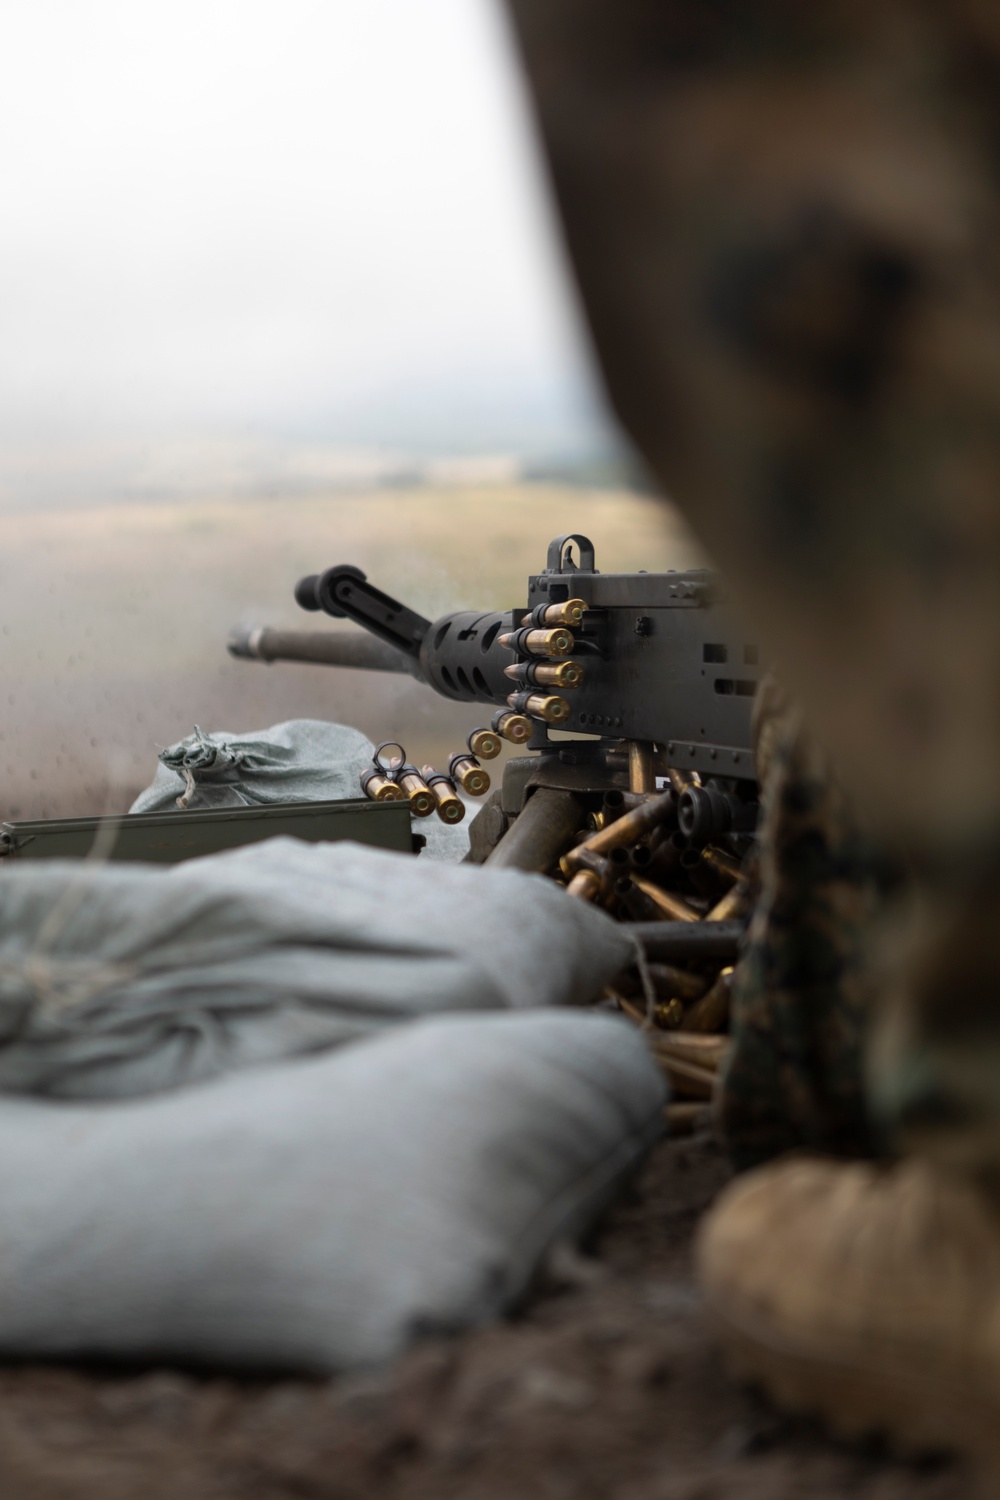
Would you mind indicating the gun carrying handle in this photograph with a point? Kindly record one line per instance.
(557, 560)
(344, 591)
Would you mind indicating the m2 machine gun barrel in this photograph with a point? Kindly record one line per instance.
(658, 657)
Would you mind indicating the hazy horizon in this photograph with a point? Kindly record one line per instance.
(316, 223)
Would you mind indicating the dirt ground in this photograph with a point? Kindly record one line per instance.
(607, 1385)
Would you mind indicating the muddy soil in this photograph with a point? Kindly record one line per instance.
(606, 1386)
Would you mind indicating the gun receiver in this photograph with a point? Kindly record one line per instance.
(652, 657)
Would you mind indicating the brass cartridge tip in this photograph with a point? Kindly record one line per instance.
(469, 774)
(516, 728)
(484, 743)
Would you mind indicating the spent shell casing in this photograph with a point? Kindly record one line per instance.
(722, 864)
(529, 642)
(551, 709)
(450, 807)
(629, 828)
(641, 777)
(466, 770)
(485, 744)
(516, 728)
(378, 788)
(671, 906)
(569, 612)
(560, 674)
(585, 885)
(416, 789)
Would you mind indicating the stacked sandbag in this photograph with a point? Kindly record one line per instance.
(301, 760)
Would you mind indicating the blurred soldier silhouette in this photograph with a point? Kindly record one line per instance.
(784, 221)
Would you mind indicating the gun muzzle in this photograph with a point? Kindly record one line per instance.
(570, 612)
(378, 788)
(552, 710)
(530, 642)
(450, 807)
(515, 728)
(466, 770)
(560, 674)
(422, 801)
(485, 744)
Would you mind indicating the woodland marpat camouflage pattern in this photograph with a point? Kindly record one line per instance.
(801, 1000)
(785, 220)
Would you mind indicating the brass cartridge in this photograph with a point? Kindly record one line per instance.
(557, 642)
(378, 788)
(722, 864)
(681, 780)
(585, 885)
(733, 904)
(570, 612)
(484, 744)
(641, 777)
(671, 906)
(516, 728)
(668, 1014)
(415, 787)
(560, 674)
(711, 1012)
(466, 770)
(551, 709)
(628, 828)
(450, 807)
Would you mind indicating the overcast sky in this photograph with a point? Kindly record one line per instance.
(251, 214)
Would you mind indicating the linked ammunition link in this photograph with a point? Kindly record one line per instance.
(533, 642)
(570, 613)
(534, 673)
(464, 768)
(378, 787)
(552, 710)
(515, 728)
(484, 744)
(422, 801)
(450, 807)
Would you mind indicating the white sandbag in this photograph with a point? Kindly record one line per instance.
(302, 760)
(125, 979)
(321, 1214)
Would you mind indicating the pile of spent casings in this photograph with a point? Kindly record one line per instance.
(672, 857)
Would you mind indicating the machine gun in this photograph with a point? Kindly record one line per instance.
(651, 672)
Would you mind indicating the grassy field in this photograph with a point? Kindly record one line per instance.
(113, 620)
